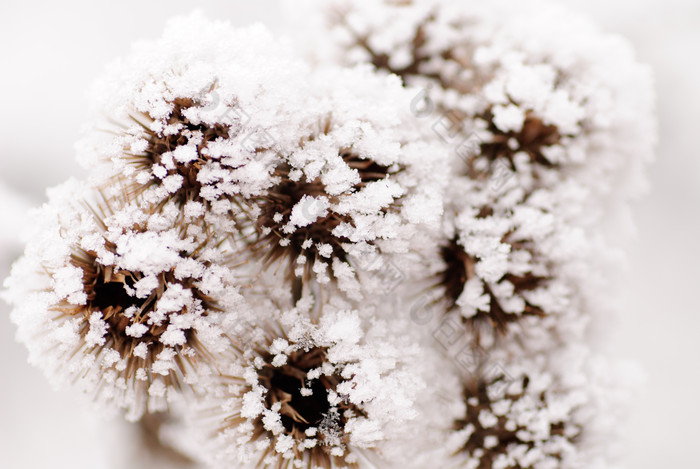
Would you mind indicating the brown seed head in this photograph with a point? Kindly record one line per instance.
(460, 268)
(163, 142)
(271, 244)
(303, 406)
(505, 432)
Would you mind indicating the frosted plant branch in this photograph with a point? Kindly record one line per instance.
(391, 258)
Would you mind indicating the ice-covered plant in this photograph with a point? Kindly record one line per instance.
(388, 259)
(302, 172)
(522, 86)
(323, 392)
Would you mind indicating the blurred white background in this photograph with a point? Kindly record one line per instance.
(50, 52)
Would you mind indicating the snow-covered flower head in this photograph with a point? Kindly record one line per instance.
(538, 411)
(306, 169)
(121, 298)
(326, 393)
(521, 86)
(359, 183)
(499, 264)
(196, 116)
(517, 422)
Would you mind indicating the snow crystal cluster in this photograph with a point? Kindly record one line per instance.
(391, 258)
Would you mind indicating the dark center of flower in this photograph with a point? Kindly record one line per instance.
(113, 294)
(160, 143)
(107, 291)
(534, 136)
(504, 430)
(276, 209)
(460, 268)
(304, 402)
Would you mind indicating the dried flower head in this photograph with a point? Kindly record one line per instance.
(132, 305)
(499, 266)
(526, 410)
(191, 117)
(312, 220)
(320, 395)
(273, 222)
(358, 182)
(459, 270)
(521, 411)
(511, 425)
(172, 151)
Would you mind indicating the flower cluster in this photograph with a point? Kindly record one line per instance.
(251, 258)
(312, 181)
(536, 107)
(534, 88)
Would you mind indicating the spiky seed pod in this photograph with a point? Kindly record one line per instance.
(122, 300)
(499, 266)
(358, 185)
(174, 151)
(519, 415)
(337, 169)
(376, 186)
(506, 431)
(190, 117)
(302, 247)
(539, 410)
(521, 85)
(305, 412)
(459, 272)
(323, 394)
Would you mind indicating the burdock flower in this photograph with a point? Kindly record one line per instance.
(499, 265)
(168, 152)
(522, 86)
(190, 118)
(538, 410)
(358, 185)
(308, 173)
(324, 393)
(123, 299)
(517, 422)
